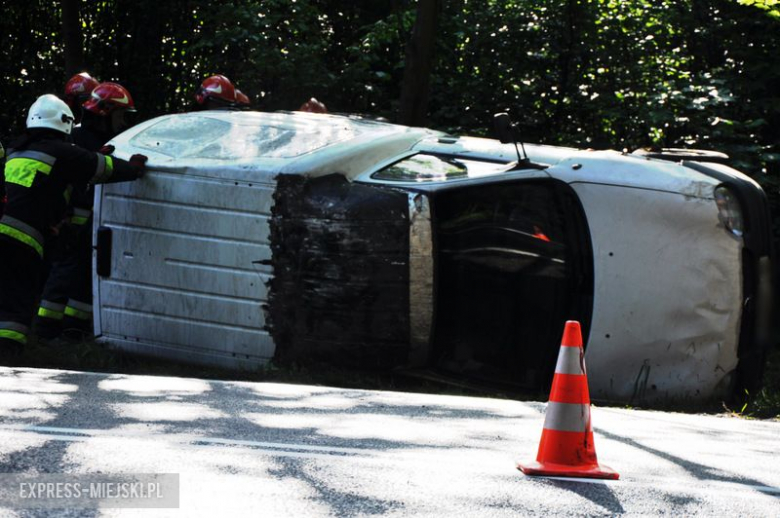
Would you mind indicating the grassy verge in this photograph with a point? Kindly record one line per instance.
(766, 404)
(89, 356)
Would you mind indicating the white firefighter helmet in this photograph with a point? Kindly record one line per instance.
(48, 111)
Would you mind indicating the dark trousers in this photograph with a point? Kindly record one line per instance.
(20, 273)
(67, 295)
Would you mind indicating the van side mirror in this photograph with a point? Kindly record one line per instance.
(503, 127)
(505, 131)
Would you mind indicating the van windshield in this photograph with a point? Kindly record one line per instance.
(433, 168)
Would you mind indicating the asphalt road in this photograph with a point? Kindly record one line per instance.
(264, 449)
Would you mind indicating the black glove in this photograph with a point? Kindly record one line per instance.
(139, 163)
(106, 150)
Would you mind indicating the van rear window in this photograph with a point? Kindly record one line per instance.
(201, 136)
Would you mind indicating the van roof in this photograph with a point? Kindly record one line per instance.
(256, 146)
(279, 142)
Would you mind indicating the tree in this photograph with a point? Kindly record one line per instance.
(71, 37)
(419, 64)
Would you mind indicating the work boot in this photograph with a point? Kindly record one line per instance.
(76, 330)
(80, 324)
(47, 328)
(10, 351)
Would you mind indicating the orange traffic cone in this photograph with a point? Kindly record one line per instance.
(566, 448)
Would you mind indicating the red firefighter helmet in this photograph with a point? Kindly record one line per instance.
(78, 89)
(108, 97)
(218, 88)
(242, 98)
(313, 106)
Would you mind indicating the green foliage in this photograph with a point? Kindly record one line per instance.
(601, 73)
(772, 7)
(31, 58)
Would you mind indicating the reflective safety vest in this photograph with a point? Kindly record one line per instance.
(23, 232)
(40, 177)
(22, 167)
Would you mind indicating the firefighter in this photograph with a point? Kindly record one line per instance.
(66, 302)
(313, 106)
(77, 91)
(41, 169)
(216, 93)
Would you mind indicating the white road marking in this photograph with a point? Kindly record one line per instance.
(80, 434)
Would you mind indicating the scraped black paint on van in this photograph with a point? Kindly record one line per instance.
(340, 285)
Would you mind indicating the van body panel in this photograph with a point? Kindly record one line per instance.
(668, 297)
(189, 267)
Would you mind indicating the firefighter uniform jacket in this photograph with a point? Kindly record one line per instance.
(40, 177)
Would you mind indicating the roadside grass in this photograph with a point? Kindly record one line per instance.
(766, 403)
(94, 357)
(79, 355)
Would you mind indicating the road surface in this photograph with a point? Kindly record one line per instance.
(266, 449)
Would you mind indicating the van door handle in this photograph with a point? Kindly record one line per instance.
(103, 249)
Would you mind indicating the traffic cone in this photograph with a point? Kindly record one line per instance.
(566, 448)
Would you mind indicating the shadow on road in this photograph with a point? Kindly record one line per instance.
(185, 409)
(600, 494)
(699, 471)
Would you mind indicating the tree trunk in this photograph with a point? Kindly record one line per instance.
(418, 65)
(71, 35)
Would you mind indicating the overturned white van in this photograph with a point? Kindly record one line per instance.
(291, 236)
